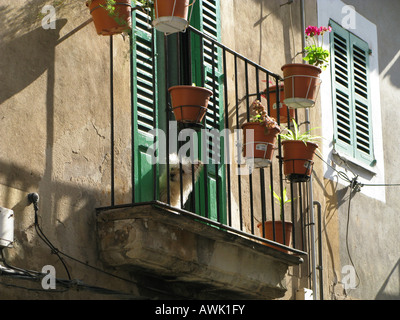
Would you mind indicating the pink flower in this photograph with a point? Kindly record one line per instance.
(311, 31)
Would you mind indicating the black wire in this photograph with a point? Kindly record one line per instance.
(347, 239)
(341, 174)
(59, 253)
(380, 185)
(42, 236)
(346, 178)
(26, 272)
(68, 284)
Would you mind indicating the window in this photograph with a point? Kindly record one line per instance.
(207, 71)
(351, 95)
(202, 63)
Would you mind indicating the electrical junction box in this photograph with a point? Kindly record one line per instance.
(6, 228)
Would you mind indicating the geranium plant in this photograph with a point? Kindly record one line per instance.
(315, 54)
(259, 114)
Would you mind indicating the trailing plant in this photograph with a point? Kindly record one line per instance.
(259, 114)
(110, 6)
(295, 134)
(315, 54)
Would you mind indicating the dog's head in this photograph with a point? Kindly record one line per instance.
(183, 166)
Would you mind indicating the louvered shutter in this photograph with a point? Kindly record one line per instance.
(144, 98)
(206, 18)
(361, 100)
(351, 100)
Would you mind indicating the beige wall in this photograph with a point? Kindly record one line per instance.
(55, 129)
(55, 113)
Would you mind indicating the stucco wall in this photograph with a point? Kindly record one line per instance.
(367, 233)
(373, 230)
(55, 129)
(55, 116)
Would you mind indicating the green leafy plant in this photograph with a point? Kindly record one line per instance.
(295, 134)
(315, 54)
(110, 6)
(282, 201)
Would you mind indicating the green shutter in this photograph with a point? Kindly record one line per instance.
(206, 18)
(145, 110)
(361, 100)
(351, 97)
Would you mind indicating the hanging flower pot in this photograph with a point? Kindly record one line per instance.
(298, 159)
(259, 137)
(298, 153)
(260, 147)
(171, 15)
(302, 84)
(278, 231)
(283, 109)
(111, 18)
(270, 226)
(189, 103)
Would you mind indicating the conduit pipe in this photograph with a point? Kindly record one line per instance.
(320, 260)
(310, 184)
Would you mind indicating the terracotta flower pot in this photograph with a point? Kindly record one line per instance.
(269, 233)
(298, 159)
(301, 84)
(171, 15)
(105, 23)
(261, 147)
(189, 103)
(283, 110)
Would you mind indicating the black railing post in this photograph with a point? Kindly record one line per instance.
(112, 120)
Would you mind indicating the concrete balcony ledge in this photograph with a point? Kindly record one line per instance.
(176, 248)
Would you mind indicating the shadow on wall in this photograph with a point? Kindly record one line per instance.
(24, 59)
(392, 70)
(290, 23)
(80, 200)
(392, 281)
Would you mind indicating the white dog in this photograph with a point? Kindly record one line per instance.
(175, 180)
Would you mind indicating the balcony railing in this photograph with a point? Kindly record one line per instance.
(227, 195)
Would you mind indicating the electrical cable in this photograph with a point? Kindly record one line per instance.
(359, 184)
(67, 284)
(347, 238)
(43, 237)
(354, 186)
(29, 273)
(58, 252)
(24, 274)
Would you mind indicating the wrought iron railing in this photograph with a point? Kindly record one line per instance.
(227, 195)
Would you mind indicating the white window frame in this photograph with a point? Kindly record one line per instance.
(340, 12)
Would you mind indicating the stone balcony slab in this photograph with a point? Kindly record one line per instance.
(173, 247)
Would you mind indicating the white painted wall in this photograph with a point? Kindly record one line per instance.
(366, 30)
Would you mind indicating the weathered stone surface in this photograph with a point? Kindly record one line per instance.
(173, 246)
